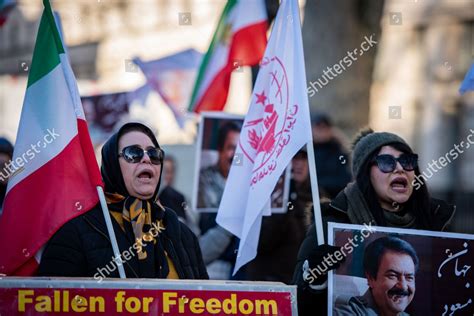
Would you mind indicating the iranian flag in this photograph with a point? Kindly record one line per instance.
(53, 174)
(240, 40)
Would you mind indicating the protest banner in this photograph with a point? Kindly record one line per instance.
(60, 296)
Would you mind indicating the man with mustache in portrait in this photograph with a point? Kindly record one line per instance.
(390, 265)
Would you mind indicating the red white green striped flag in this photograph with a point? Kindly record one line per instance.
(53, 175)
(240, 40)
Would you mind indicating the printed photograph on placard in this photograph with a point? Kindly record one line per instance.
(215, 154)
(393, 271)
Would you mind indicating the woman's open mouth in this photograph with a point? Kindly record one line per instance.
(145, 176)
(399, 185)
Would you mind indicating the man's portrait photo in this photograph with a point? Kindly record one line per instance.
(390, 266)
(390, 271)
(218, 139)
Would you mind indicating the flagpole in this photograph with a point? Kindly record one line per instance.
(318, 220)
(110, 230)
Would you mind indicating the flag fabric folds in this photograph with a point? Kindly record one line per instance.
(239, 40)
(468, 82)
(276, 126)
(173, 77)
(53, 173)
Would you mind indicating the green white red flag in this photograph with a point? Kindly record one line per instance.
(53, 174)
(240, 40)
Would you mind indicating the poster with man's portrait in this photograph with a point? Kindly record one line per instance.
(218, 139)
(393, 271)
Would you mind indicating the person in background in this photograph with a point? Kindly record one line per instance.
(6, 154)
(169, 196)
(332, 161)
(172, 198)
(153, 243)
(384, 167)
(281, 235)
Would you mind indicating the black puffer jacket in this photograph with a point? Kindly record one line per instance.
(82, 248)
(312, 302)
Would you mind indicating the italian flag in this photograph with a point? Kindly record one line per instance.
(53, 175)
(240, 40)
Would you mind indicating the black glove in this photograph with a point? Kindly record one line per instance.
(319, 260)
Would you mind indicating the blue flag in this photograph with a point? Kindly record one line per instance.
(468, 82)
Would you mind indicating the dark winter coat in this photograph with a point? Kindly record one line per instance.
(82, 248)
(281, 236)
(173, 199)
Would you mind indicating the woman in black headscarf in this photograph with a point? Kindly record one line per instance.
(152, 241)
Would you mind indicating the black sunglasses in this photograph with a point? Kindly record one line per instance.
(388, 163)
(134, 154)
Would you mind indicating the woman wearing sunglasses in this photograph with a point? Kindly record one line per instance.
(151, 239)
(384, 167)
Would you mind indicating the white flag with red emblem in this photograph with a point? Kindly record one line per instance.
(276, 126)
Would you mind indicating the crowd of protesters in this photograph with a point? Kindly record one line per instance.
(370, 185)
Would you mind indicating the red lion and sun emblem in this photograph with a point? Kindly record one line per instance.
(270, 119)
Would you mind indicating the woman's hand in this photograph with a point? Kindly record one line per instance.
(319, 261)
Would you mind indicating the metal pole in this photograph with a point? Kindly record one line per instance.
(110, 229)
(318, 220)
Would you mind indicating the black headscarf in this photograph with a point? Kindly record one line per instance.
(7, 148)
(152, 259)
